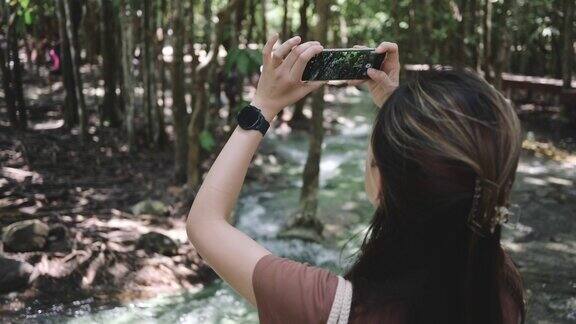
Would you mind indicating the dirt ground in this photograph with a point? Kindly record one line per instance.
(90, 191)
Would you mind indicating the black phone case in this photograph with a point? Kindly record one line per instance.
(342, 64)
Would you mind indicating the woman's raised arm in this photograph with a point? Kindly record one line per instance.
(231, 253)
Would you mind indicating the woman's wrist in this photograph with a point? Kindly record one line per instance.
(269, 111)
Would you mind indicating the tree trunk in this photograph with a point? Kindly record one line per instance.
(303, 12)
(298, 119)
(343, 31)
(208, 22)
(252, 24)
(414, 40)
(286, 20)
(487, 59)
(163, 67)
(70, 112)
(427, 18)
(16, 72)
(460, 42)
(264, 21)
(234, 84)
(110, 109)
(160, 136)
(148, 69)
(568, 37)
(93, 32)
(394, 14)
(197, 122)
(503, 46)
(127, 33)
(7, 85)
(72, 21)
(178, 93)
(195, 128)
(5, 66)
(238, 23)
(474, 46)
(306, 225)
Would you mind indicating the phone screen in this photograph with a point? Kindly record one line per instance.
(342, 64)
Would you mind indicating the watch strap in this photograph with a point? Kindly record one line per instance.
(263, 125)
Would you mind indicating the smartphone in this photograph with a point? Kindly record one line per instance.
(342, 64)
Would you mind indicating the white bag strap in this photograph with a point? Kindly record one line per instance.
(340, 310)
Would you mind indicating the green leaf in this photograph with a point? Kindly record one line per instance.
(230, 60)
(207, 141)
(28, 17)
(24, 3)
(243, 63)
(247, 61)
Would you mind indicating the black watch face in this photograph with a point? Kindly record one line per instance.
(248, 117)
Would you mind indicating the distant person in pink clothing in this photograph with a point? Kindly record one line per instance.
(54, 59)
(439, 170)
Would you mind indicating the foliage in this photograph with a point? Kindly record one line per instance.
(246, 60)
(25, 9)
(207, 141)
(427, 31)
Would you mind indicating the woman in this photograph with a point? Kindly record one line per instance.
(439, 170)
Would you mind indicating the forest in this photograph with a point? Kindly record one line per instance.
(112, 111)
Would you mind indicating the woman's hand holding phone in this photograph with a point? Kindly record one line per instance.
(385, 80)
(281, 82)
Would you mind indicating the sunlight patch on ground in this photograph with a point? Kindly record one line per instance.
(549, 150)
(560, 181)
(532, 169)
(514, 247)
(49, 124)
(535, 181)
(568, 247)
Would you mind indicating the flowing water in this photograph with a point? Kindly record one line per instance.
(543, 248)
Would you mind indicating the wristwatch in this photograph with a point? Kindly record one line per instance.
(251, 118)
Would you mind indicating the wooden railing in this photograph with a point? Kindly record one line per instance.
(523, 82)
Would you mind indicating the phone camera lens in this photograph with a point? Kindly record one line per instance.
(368, 65)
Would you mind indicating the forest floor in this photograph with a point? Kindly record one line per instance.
(91, 191)
(48, 175)
(543, 241)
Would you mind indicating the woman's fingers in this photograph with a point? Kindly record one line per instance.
(387, 47)
(267, 51)
(378, 76)
(392, 60)
(355, 83)
(314, 85)
(281, 51)
(293, 56)
(298, 68)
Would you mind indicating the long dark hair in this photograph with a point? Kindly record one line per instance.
(436, 141)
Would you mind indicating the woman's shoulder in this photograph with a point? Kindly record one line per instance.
(292, 292)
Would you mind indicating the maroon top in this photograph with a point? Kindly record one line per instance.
(291, 292)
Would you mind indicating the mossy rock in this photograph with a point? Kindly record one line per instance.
(59, 239)
(25, 236)
(150, 207)
(301, 233)
(14, 275)
(154, 242)
(304, 226)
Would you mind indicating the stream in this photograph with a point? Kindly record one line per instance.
(543, 242)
